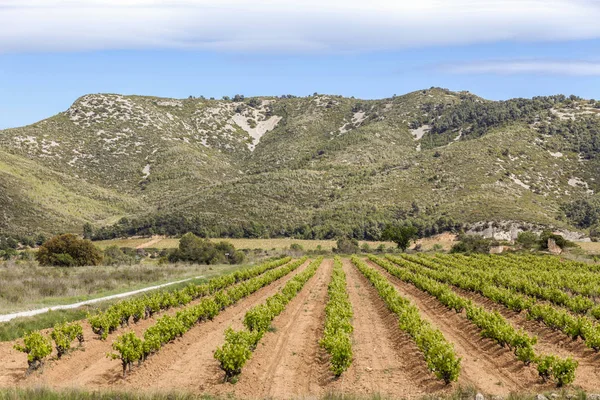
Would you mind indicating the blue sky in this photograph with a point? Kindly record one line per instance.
(53, 51)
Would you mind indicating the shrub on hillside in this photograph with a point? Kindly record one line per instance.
(68, 251)
(528, 240)
(203, 251)
(558, 239)
(472, 244)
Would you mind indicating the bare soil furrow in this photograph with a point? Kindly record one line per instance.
(90, 367)
(188, 363)
(549, 341)
(282, 365)
(386, 360)
(485, 364)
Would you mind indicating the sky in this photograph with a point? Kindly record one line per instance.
(54, 51)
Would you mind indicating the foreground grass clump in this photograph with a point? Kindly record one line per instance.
(460, 393)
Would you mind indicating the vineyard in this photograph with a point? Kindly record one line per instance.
(400, 325)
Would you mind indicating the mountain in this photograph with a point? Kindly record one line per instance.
(317, 166)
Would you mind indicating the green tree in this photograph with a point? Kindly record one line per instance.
(347, 246)
(203, 251)
(402, 235)
(68, 251)
(113, 255)
(472, 244)
(88, 231)
(558, 239)
(527, 239)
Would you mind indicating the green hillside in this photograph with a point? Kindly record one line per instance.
(318, 166)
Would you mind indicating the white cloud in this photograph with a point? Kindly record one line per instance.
(508, 67)
(287, 26)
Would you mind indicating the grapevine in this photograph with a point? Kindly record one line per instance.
(338, 326)
(239, 345)
(438, 352)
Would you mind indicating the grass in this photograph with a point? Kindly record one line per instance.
(28, 286)
(41, 393)
(130, 242)
(17, 327)
(590, 247)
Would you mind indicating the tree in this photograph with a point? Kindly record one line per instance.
(203, 251)
(558, 239)
(88, 231)
(401, 235)
(527, 239)
(113, 255)
(472, 244)
(68, 251)
(347, 246)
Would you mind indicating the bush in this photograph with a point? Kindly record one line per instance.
(203, 251)
(527, 240)
(64, 334)
(472, 244)
(347, 246)
(68, 251)
(558, 239)
(113, 255)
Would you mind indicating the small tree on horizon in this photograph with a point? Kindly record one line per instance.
(402, 235)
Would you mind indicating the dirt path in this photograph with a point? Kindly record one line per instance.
(90, 367)
(286, 363)
(549, 341)
(151, 242)
(386, 360)
(485, 364)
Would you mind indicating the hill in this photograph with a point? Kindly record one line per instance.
(312, 167)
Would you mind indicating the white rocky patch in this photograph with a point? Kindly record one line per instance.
(420, 131)
(579, 183)
(29, 140)
(558, 154)
(457, 138)
(562, 115)
(259, 130)
(169, 103)
(344, 128)
(519, 182)
(359, 117)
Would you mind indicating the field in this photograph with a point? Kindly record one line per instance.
(28, 286)
(265, 244)
(403, 326)
(590, 247)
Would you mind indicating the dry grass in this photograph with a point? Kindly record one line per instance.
(266, 244)
(590, 247)
(132, 242)
(27, 285)
(443, 241)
